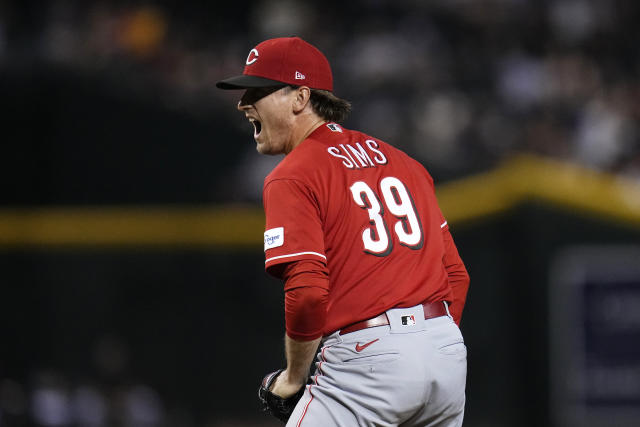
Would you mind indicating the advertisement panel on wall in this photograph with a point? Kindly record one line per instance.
(595, 336)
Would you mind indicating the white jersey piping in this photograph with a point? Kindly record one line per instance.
(296, 254)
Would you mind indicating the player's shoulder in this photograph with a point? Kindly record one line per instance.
(326, 135)
(333, 149)
(310, 155)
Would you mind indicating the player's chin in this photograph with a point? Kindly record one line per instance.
(262, 147)
(265, 148)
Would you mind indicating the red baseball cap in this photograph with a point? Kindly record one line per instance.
(283, 61)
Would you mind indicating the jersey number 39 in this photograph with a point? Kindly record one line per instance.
(397, 199)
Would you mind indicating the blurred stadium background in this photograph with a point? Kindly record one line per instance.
(131, 283)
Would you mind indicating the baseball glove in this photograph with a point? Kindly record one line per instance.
(277, 406)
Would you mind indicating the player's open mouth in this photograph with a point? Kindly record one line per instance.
(257, 127)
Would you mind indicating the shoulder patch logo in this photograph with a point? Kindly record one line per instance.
(273, 238)
(334, 127)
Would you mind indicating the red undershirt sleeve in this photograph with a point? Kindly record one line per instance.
(306, 298)
(458, 276)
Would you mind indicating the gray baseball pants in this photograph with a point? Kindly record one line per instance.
(404, 374)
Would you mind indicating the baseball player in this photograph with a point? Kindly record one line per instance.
(373, 281)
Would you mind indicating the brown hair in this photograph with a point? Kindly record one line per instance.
(328, 106)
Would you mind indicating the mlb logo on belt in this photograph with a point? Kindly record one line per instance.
(408, 320)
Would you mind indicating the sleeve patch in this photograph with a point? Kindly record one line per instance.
(273, 238)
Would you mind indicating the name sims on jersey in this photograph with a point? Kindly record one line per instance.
(358, 156)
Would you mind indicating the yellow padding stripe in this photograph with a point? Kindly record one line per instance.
(127, 226)
(552, 182)
(520, 179)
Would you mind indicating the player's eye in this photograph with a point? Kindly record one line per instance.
(253, 95)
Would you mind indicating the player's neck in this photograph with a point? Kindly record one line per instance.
(307, 125)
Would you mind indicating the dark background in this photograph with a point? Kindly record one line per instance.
(112, 104)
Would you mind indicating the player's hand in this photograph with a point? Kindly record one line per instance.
(280, 406)
(284, 387)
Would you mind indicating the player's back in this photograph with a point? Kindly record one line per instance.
(380, 222)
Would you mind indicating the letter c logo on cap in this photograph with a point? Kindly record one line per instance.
(253, 56)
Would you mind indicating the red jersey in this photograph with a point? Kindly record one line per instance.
(365, 209)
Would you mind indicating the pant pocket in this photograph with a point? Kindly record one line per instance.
(373, 359)
(448, 340)
(455, 348)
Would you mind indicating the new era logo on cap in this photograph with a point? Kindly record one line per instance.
(285, 60)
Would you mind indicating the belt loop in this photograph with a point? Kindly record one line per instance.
(446, 307)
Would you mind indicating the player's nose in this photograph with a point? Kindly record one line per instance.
(244, 103)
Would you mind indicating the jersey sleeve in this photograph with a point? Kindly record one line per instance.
(306, 299)
(458, 277)
(293, 229)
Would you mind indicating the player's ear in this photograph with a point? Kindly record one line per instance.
(301, 100)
